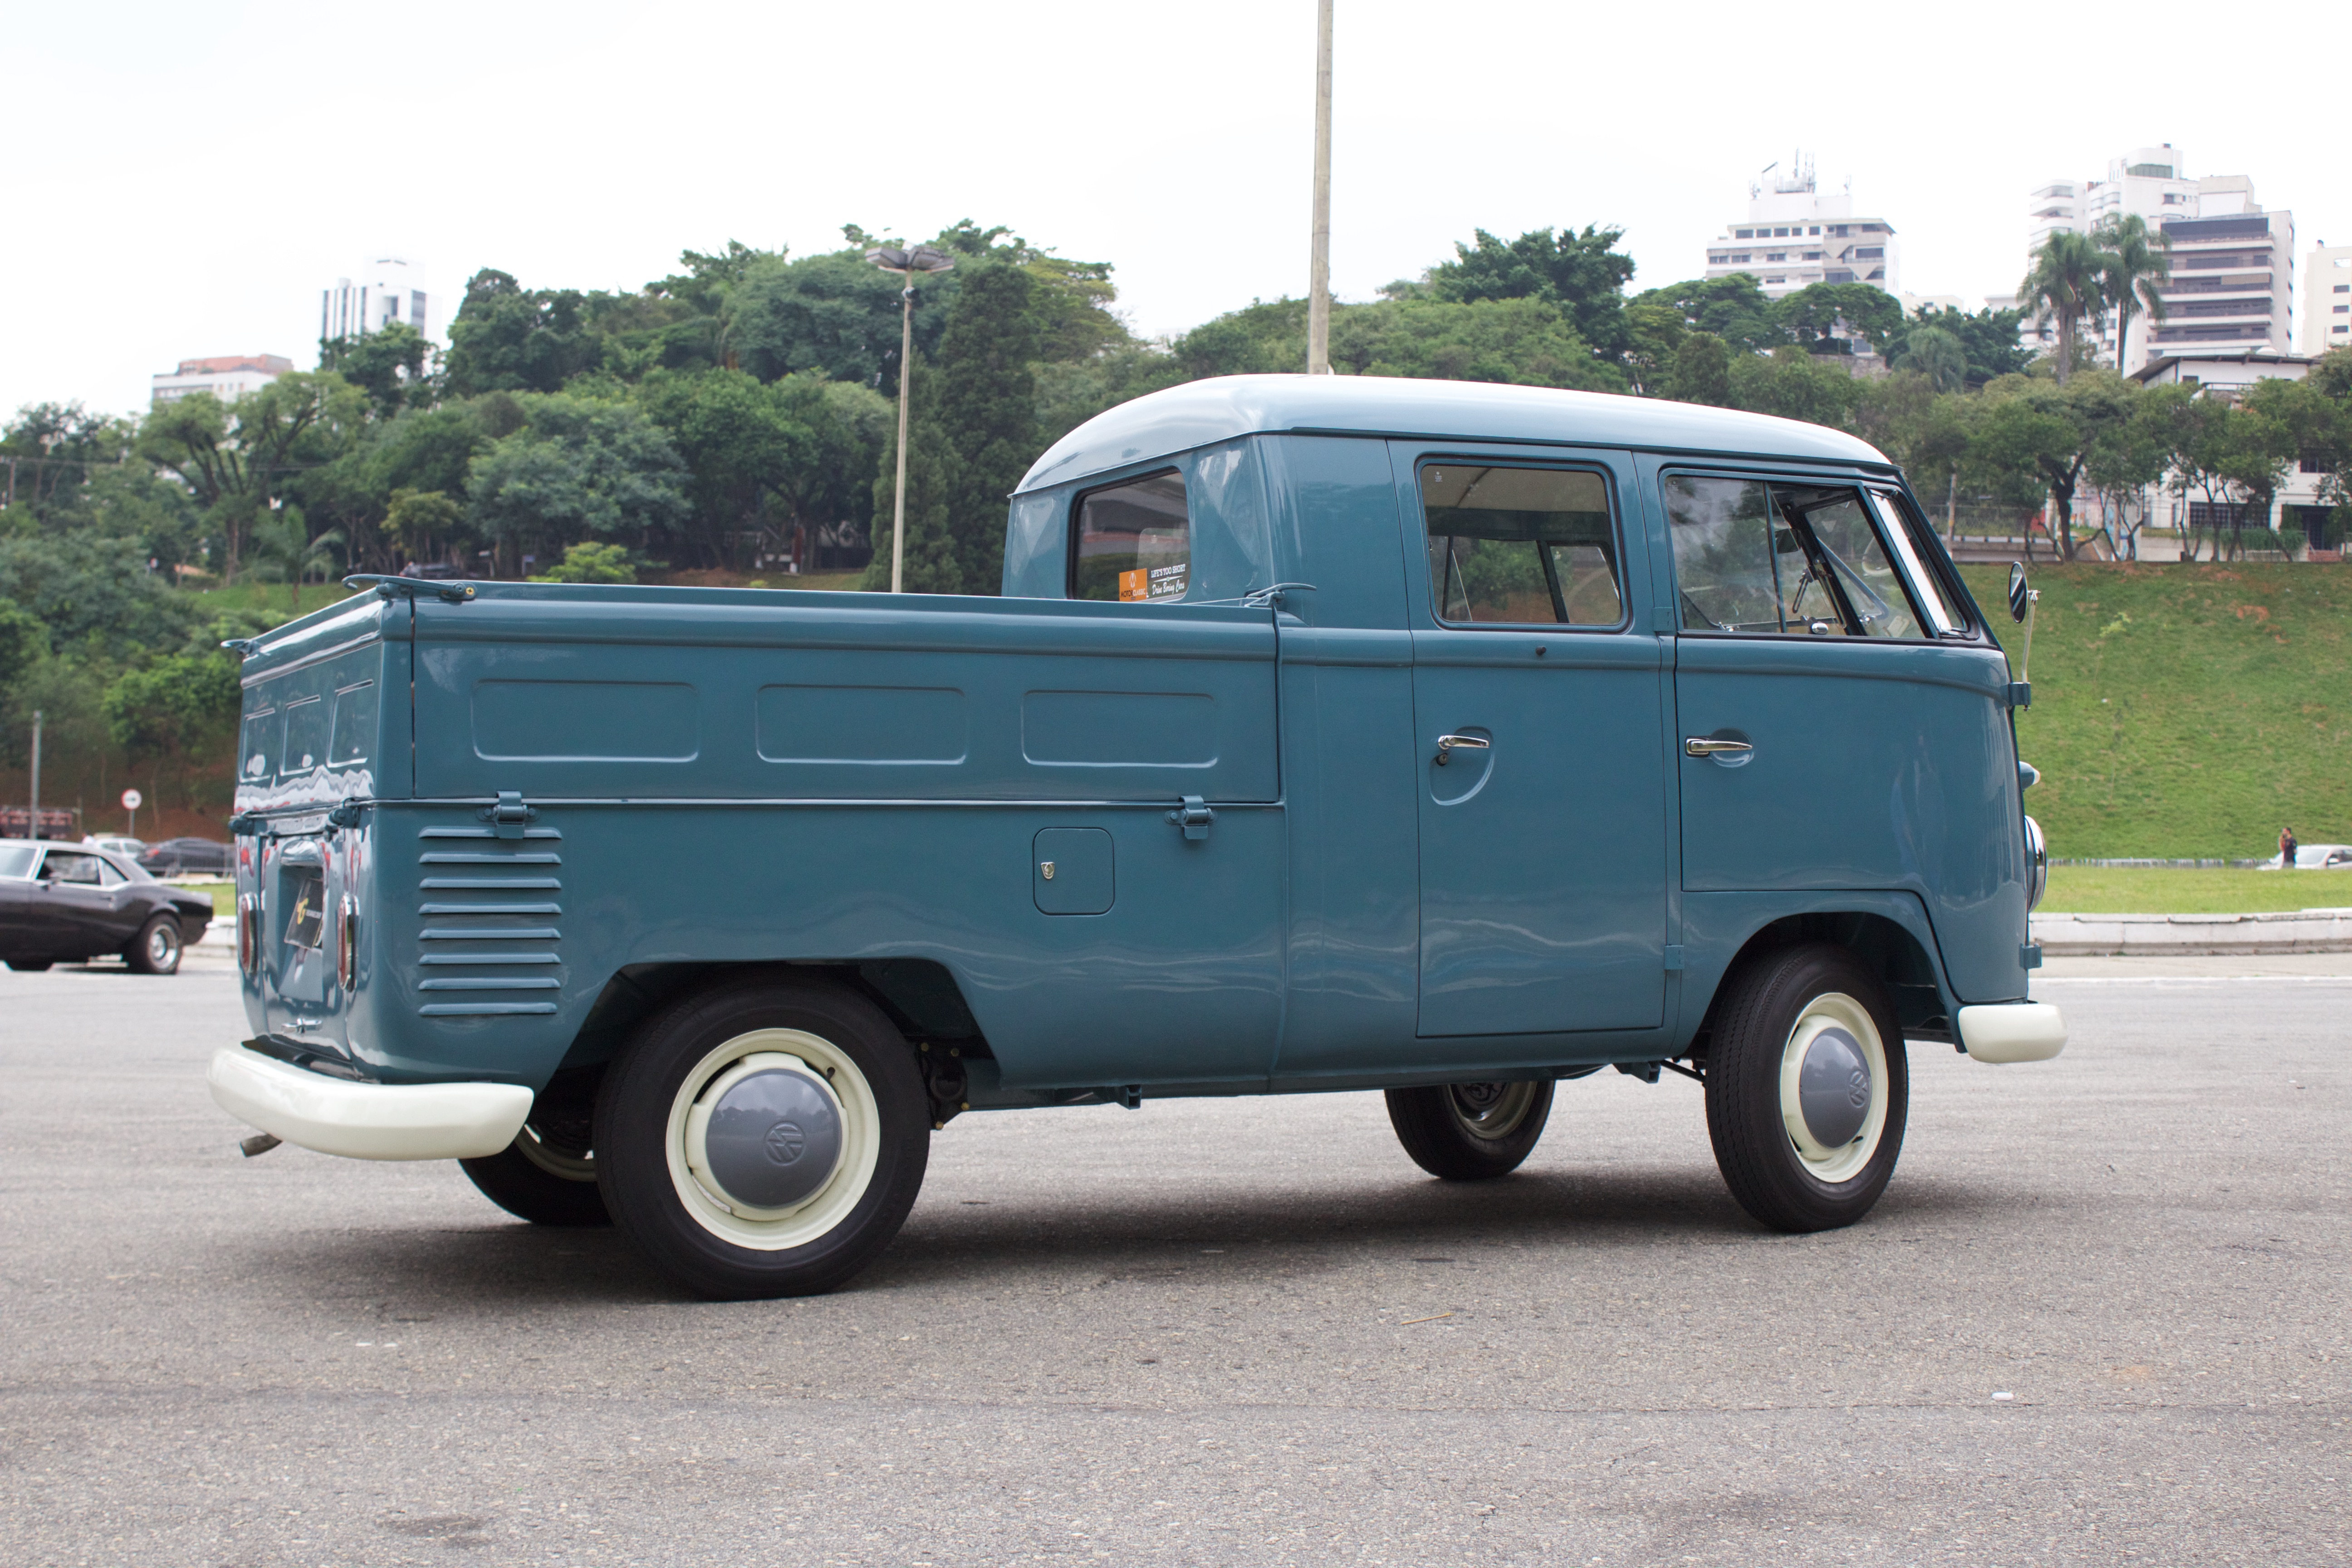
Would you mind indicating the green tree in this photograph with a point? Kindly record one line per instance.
(51, 449)
(1701, 371)
(94, 593)
(1655, 333)
(387, 365)
(1524, 341)
(425, 524)
(1824, 316)
(589, 561)
(1734, 308)
(1793, 383)
(2139, 263)
(2051, 432)
(507, 338)
(1936, 354)
(285, 551)
(740, 443)
(237, 458)
(1584, 274)
(1987, 336)
(2068, 283)
(177, 711)
(578, 468)
(24, 643)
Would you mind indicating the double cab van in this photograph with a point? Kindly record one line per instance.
(1447, 740)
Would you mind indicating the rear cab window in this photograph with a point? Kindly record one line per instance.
(1133, 542)
(1520, 545)
(1771, 557)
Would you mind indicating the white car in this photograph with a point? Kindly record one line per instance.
(117, 844)
(2316, 857)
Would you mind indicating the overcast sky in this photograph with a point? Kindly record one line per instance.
(185, 179)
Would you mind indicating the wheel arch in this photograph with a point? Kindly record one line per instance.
(1893, 939)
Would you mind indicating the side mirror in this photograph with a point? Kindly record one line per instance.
(2019, 597)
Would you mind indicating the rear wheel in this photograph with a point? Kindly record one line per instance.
(1470, 1131)
(29, 965)
(765, 1138)
(1807, 1087)
(156, 950)
(539, 1179)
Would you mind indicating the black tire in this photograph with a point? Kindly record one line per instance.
(1470, 1131)
(156, 949)
(29, 965)
(534, 1180)
(1755, 1121)
(645, 1117)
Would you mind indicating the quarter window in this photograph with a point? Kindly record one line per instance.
(1804, 559)
(258, 746)
(306, 738)
(1133, 542)
(355, 724)
(1520, 545)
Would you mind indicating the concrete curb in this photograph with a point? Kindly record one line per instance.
(2291, 931)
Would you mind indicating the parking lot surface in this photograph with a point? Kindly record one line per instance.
(2100, 1316)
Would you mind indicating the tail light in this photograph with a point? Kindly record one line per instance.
(347, 942)
(248, 933)
(2037, 864)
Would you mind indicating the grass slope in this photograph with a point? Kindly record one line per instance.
(2186, 710)
(2164, 890)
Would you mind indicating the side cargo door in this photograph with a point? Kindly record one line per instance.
(1536, 697)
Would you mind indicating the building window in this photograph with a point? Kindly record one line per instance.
(1816, 255)
(1780, 234)
(1776, 281)
(1778, 256)
(1742, 257)
(1743, 234)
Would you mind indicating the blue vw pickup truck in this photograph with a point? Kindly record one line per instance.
(1442, 739)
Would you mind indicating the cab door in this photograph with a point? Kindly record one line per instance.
(1538, 704)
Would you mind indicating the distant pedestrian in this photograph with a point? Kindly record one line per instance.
(2286, 849)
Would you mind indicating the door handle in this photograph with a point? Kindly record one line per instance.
(1448, 744)
(1707, 746)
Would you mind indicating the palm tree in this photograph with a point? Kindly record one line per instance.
(1938, 355)
(2068, 284)
(283, 549)
(2140, 263)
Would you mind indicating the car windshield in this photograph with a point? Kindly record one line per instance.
(17, 859)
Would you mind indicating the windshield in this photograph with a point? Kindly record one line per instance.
(15, 860)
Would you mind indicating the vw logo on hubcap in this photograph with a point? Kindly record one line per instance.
(774, 1139)
(1833, 1088)
(785, 1142)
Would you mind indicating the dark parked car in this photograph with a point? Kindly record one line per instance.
(433, 571)
(186, 856)
(70, 901)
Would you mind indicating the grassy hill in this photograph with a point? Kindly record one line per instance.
(2184, 710)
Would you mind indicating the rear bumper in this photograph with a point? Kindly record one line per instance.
(2013, 1032)
(367, 1121)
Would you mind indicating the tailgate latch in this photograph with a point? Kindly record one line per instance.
(1195, 817)
(508, 817)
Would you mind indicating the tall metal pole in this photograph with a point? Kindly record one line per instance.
(1319, 266)
(898, 491)
(33, 829)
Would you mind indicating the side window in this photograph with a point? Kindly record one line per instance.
(306, 738)
(1901, 527)
(1804, 559)
(1510, 545)
(355, 724)
(79, 869)
(107, 877)
(1133, 542)
(258, 746)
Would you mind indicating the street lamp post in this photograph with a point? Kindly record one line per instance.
(906, 263)
(1319, 263)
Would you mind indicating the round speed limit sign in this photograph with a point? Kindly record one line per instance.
(131, 799)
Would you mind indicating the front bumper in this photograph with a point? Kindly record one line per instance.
(367, 1121)
(2013, 1032)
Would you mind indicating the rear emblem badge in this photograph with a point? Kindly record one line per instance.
(1045, 869)
(785, 1141)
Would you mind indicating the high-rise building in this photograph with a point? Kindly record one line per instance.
(389, 291)
(226, 376)
(2328, 299)
(1794, 235)
(2232, 284)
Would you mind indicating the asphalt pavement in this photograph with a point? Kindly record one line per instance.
(2100, 1317)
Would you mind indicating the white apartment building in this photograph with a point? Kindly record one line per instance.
(2328, 299)
(228, 376)
(2229, 374)
(2232, 284)
(1794, 237)
(389, 289)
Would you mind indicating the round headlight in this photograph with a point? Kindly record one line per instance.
(2037, 865)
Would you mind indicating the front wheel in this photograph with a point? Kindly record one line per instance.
(1470, 1131)
(1807, 1087)
(765, 1138)
(156, 951)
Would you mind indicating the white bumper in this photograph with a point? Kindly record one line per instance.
(367, 1121)
(2013, 1032)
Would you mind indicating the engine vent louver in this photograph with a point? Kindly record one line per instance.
(489, 941)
